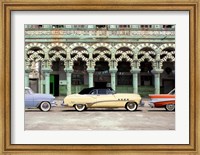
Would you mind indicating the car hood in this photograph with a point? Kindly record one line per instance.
(43, 95)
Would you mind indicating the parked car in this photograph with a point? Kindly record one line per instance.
(102, 98)
(163, 100)
(42, 101)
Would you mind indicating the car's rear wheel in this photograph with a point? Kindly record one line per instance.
(170, 107)
(45, 106)
(131, 106)
(80, 107)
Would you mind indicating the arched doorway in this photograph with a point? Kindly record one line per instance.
(168, 65)
(168, 77)
(57, 57)
(35, 56)
(101, 74)
(124, 58)
(101, 57)
(56, 77)
(79, 76)
(124, 77)
(146, 78)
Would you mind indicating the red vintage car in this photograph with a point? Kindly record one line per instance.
(166, 101)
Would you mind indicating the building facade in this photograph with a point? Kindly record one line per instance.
(63, 59)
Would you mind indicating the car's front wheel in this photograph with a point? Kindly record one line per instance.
(45, 106)
(170, 107)
(131, 106)
(80, 107)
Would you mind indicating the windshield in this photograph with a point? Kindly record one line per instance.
(85, 91)
(97, 91)
(172, 92)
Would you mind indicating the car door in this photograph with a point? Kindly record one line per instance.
(92, 96)
(29, 99)
(105, 99)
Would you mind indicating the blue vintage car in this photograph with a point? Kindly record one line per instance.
(42, 101)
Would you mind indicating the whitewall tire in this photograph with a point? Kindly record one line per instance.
(45, 106)
(80, 107)
(131, 106)
(170, 107)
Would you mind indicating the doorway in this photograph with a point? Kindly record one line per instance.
(54, 85)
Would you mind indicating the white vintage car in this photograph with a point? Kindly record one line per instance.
(102, 98)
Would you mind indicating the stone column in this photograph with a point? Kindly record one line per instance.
(40, 79)
(27, 71)
(47, 83)
(135, 72)
(113, 72)
(69, 79)
(41, 86)
(47, 72)
(91, 76)
(157, 73)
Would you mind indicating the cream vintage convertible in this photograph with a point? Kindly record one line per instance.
(102, 98)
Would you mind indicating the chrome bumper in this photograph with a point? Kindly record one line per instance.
(63, 104)
(141, 104)
(53, 104)
(151, 105)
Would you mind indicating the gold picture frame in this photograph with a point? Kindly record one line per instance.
(7, 6)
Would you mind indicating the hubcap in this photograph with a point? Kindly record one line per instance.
(131, 106)
(170, 107)
(80, 107)
(45, 105)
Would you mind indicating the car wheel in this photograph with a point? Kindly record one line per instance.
(45, 106)
(80, 107)
(170, 107)
(131, 106)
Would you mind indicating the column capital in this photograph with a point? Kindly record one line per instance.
(113, 70)
(135, 70)
(68, 70)
(90, 70)
(157, 71)
(47, 70)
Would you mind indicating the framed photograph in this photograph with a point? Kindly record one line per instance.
(99, 77)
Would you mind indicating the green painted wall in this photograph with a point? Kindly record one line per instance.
(63, 90)
(144, 91)
(77, 88)
(124, 89)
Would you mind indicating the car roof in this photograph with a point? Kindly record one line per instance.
(88, 90)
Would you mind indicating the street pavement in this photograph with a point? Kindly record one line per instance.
(66, 118)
